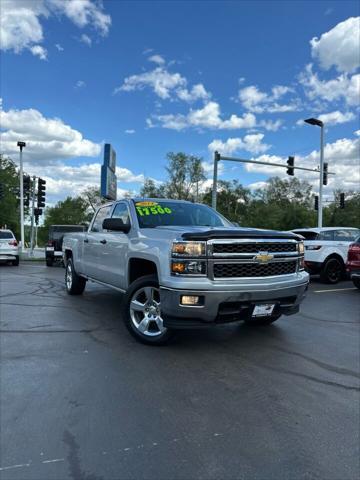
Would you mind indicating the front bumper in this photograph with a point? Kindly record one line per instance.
(229, 305)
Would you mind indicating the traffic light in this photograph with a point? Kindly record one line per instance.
(342, 200)
(41, 193)
(325, 174)
(316, 206)
(26, 184)
(290, 169)
(2, 191)
(37, 213)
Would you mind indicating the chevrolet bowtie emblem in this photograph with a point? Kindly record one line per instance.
(263, 257)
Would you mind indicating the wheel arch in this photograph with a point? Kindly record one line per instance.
(140, 267)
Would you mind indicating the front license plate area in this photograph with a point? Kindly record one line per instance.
(263, 310)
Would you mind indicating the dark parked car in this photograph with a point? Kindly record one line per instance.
(53, 249)
(353, 262)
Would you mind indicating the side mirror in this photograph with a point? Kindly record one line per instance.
(116, 224)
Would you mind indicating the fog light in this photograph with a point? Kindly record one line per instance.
(189, 300)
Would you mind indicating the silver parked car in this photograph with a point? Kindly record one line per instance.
(9, 250)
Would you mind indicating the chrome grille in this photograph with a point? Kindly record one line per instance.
(229, 270)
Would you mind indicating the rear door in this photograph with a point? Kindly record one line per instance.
(342, 239)
(112, 259)
(93, 243)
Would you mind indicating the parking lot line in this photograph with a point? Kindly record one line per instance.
(335, 290)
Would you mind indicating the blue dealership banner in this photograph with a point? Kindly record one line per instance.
(108, 176)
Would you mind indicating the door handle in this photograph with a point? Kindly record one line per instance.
(103, 241)
(86, 240)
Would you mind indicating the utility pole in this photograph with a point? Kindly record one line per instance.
(213, 197)
(319, 123)
(21, 145)
(32, 217)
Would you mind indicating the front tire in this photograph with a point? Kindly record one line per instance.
(75, 285)
(16, 261)
(142, 312)
(332, 272)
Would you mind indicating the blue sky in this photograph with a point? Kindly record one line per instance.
(152, 77)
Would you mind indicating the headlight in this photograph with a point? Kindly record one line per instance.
(188, 267)
(188, 249)
(313, 247)
(301, 248)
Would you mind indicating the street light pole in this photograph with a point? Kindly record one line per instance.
(21, 145)
(319, 123)
(320, 211)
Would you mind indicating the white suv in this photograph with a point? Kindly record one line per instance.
(9, 250)
(326, 250)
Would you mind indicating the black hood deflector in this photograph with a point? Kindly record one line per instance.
(239, 233)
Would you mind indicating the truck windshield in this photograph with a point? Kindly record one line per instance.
(152, 214)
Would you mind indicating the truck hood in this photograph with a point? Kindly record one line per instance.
(209, 233)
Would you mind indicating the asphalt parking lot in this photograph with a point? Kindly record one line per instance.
(81, 399)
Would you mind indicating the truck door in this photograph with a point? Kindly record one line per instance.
(93, 243)
(112, 259)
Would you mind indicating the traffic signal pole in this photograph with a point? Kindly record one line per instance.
(21, 145)
(32, 217)
(218, 157)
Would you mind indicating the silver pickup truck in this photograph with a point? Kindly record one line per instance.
(183, 265)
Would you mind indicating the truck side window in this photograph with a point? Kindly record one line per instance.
(100, 216)
(121, 211)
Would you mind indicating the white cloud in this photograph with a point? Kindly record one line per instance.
(271, 125)
(257, 101)
(165, 85)
(39, 51)
(251, 143)
(207, 117)
(334, 118)
(47, 139)
(130, 131)
(83, 13)
(80, 84)
(159, 79)
(59, 47)
(343, 87)
(357, 133)
(339, 47)
(86, 39)
(157, 59)
(68, 180)
(197, 92)
(21, 28)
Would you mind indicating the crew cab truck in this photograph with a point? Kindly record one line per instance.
(183, 265)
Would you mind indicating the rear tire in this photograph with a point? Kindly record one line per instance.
(356, 282)
(49, 261)
(142, 312)
(333, 271)
(262, 320)
(75, 285)
(16, 262)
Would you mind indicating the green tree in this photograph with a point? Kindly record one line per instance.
(334, 216)
(93, 198)
(9, 203)
(185, 174)
(232, 200)
(71, 211)
(150, 190)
